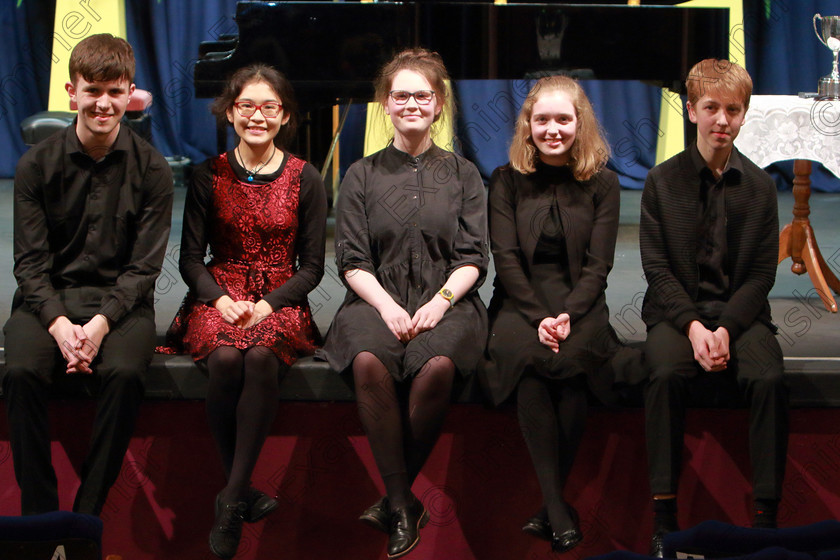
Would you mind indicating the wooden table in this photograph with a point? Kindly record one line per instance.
(784, 127)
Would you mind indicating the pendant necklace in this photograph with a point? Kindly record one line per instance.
(259, 166)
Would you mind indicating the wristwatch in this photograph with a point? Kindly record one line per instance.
(447, 295)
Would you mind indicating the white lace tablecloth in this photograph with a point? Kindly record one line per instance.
(782, 127)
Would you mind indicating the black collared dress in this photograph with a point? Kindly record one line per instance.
(410, 221)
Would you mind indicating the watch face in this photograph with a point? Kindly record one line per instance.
(446, 293)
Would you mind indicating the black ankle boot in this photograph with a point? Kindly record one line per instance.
(405, 528)
(378, 516)
(227, 528)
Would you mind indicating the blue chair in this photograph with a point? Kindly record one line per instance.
(771, 553)
(715, 539)
(38, 537)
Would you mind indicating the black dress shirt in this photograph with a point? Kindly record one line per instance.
(712, 251)
(80, 222)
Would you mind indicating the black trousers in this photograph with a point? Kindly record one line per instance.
(34, 364)
(753, 377)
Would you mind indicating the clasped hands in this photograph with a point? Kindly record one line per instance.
(79, 344)
(243, 314)
(406, 327)
(554, 330)
(711, 348)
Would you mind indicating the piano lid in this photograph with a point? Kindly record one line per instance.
(332, 50)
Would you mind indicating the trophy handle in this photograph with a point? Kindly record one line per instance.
(819, 36)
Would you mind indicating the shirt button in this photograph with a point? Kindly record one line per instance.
(92, 227)
(416, 255)
(414, 197)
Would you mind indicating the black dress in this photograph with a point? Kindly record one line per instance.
(553, 240)
(410, 221)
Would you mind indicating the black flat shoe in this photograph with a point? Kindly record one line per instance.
(227, 528)
(378, 516)
(405, 528)
(566, 541)
(570, 538)
(538, 526)
(260, 504)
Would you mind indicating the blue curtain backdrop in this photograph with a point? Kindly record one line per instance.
(25, 32)
(784, 57)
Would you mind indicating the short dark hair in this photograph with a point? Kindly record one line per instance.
(102, 58)
(276, 81)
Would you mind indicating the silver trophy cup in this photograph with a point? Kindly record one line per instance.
(828, 32)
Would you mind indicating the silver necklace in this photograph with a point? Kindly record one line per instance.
(259, 166)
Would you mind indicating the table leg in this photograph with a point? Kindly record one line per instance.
(797, 239)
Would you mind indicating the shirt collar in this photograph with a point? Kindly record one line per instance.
(735, 163)
(72, 144)
(401, 156)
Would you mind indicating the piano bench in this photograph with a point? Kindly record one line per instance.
(813, 383)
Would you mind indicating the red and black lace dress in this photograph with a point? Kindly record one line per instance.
(266, 239)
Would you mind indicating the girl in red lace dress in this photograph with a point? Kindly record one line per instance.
(262, 212)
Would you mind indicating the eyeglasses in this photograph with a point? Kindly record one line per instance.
(268, 110)
(422, 97)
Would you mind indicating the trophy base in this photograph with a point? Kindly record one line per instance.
(828, 90)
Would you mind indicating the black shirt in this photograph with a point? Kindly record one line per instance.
(712, 250)
(80, 222)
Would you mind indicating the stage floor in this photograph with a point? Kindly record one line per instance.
(806, 329)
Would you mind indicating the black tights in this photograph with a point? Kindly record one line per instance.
(552, 416)
(241, 405)
(402, 438)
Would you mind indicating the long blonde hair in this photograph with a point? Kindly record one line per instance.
(590, 151)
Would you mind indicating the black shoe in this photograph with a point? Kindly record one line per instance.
(260, 504)
(227, 528)
(570, 538)
(657, 544)
(764, 520)
(405, 528)
(538, 526)
(378, 516)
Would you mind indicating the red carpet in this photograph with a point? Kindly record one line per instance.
(479, 485)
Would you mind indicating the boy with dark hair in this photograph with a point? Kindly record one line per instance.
(709, 242)
(92, 207)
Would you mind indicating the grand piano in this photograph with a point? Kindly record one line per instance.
(332, 50)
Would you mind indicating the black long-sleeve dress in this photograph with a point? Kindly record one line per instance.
(410, 221)
(553, 240)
